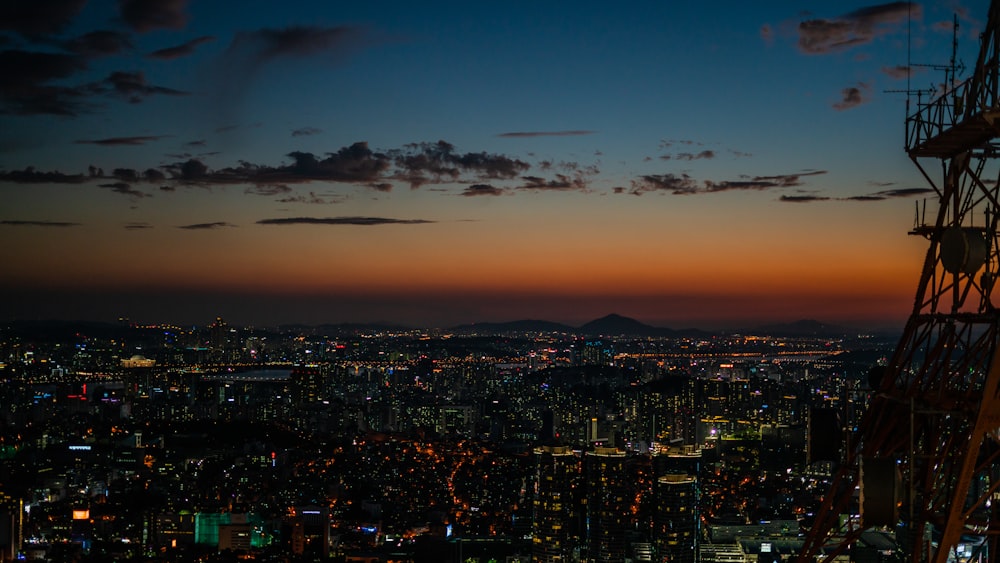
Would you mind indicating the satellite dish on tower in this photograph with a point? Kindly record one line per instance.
(963, 250)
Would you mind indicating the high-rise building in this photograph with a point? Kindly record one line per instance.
(309, 384)
(678, 460)
(11, 527)
(608, 505)
(554, 504)
(675, 526)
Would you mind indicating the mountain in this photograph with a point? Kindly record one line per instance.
(615, 325)
(609, 325)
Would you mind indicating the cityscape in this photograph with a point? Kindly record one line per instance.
(616, 441)
(397, 282)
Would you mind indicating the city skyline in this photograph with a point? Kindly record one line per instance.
(686, 166)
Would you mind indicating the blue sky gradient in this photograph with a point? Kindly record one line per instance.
(685, 164)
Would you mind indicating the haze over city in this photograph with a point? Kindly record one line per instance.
(710, 165)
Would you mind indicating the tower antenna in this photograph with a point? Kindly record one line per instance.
(926, 454)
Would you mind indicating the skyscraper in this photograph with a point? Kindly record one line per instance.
(554, 504)
(608, 505)
(11, 526)
(675, 526)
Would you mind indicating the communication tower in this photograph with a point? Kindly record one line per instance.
(924, 462)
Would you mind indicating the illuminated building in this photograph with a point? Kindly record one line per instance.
(11, 527)
(675, 526)
(553, 516)
(138, 361)
(234, 536)
(608, 504)
(309, 384)
(598, 352)
(682, 460)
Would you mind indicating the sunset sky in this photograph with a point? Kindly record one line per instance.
(710, 165)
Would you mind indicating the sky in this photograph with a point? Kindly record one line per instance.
(429, 164)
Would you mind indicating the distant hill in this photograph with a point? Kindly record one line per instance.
(617, 325)
(609, 325)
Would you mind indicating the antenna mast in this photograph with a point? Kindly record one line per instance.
(926, 455)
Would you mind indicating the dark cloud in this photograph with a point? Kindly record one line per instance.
(686, 185)
(753, 184)
(851, 97)
(417, 164)
(116, 141)
(898, 72)
(685, 156)
(788, 180)
(251, 53)
(271, 191)
(570, 133)
(138, 226)
(32, 176)
(36, 80)
(682, 184)
(356, 163)
(706, 154)
(27, 88)
(482, 189)
(206, 226)
(820, 36)
(124, 189)
(13, 223)
(311, 199)
(168, 189)
(147, 15)
(561, 182)
(802, 198)
(182, 50)
(877, 196)
(667, 143)
(305, 131)
(128, 174)
(32, 18)
(133, 87)
(262, 45)
(363, 221)
(197, 143)
(905, 192)
(191, 170)
(424, 163)
(99, 43)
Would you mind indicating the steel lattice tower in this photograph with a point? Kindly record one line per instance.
(933, 424)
